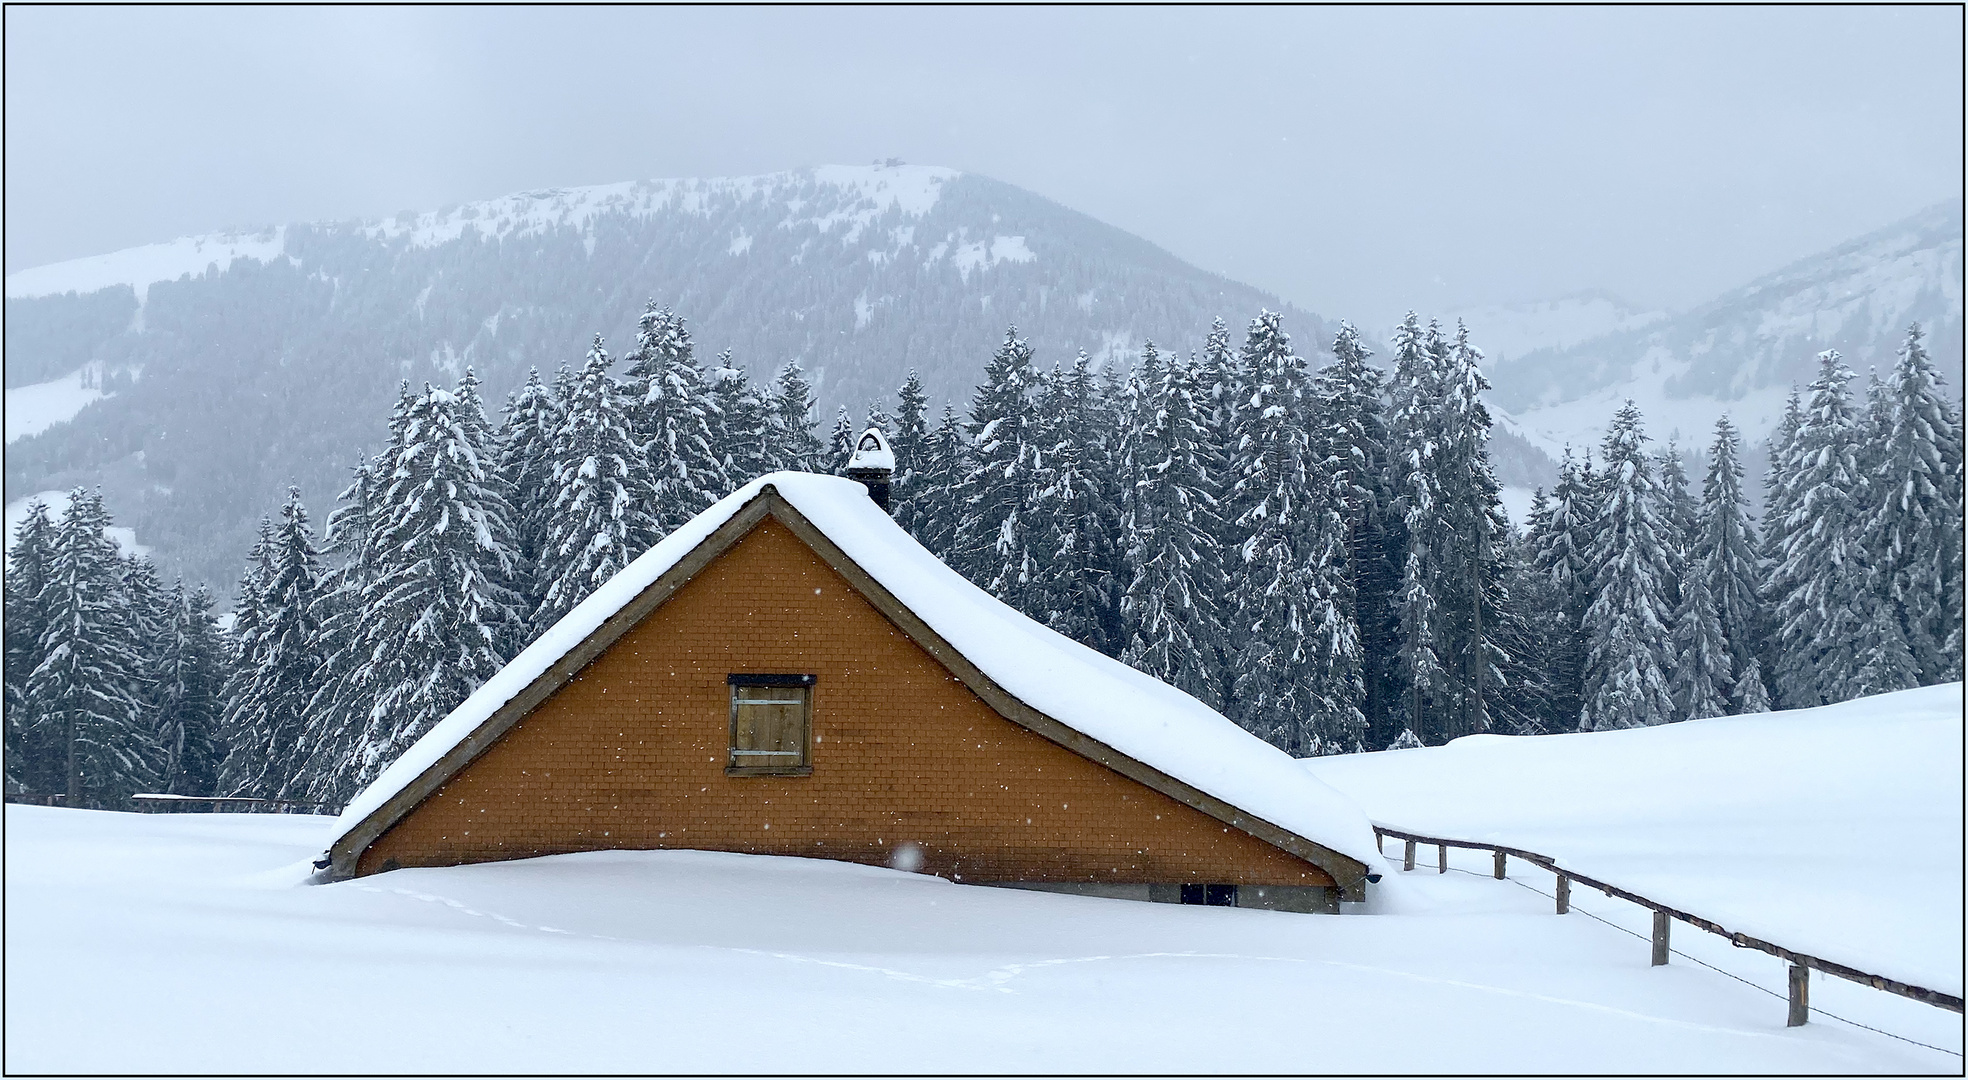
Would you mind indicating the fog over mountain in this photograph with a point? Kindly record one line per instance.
(206, 374)
(1742, 352)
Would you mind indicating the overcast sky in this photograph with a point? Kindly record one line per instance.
(1355, 161)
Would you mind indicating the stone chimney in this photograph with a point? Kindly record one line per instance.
(873, 464)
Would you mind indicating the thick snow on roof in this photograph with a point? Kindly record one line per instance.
(1139, 716)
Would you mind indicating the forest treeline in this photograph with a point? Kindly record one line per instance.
(1321, 554)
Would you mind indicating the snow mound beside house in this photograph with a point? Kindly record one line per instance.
(1834, 831)
(1139, 716)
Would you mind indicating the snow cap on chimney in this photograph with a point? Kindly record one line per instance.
(873, 464)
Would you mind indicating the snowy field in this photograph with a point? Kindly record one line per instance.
(34, 409)
(1833, 831)
(188, 944)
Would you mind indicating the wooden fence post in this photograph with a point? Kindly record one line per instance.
(1660, 938)
(1408, 856)
(1441, 858)
(1499, 865)
(1564, 894)
(1800, 996)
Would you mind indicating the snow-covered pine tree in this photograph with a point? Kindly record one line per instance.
(1912, 527)
(737, 421)
(1779, 501)
(1724, 545)
(1530, 628)
(877, 418)
(1294, 651)
(1837, 637)
(1353, 434)
(525, 463)
(1704, 677)
(187, 679)
(791, 443)
(994, 540)
(1075, 522)
(440, 612)
(85, 690)
(602, 515)
(1562, 552)
(840, 441)
(668, 415)
(936, 506)
(34, 753)
(350, 562)
(1414, 433)
(266, 733)
(248, 654)
(1628, 626)
(910, 442)
(1171, 601)
(1677, 515)
(1472, 597)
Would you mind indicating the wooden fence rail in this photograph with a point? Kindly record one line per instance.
(181, 804)
(1799, 962)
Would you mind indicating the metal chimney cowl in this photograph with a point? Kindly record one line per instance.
(873, 463)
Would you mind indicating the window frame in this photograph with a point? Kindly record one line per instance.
(753, 680)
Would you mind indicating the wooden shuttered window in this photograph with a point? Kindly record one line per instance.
(771, 725)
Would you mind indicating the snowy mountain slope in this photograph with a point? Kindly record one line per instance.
(274, 359)
(1791, 826)
(1741, 352)
(168, 929)
(1512, 330)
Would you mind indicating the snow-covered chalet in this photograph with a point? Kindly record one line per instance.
(790, 673)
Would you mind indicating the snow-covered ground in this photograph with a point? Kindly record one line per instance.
(34, 409)
(142, 267)
(126, 538)
(190, 938)
(1833, 831)
(188, 943)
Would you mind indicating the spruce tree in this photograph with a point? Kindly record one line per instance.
(1704, 678)
(994, 536)
(267, 726)
(667, 412)
(936, 504)
(84, 693)
(1724, 545)
(737, 423)
(1414, 431)
(440, 612)
(34, 754)
(1837, 637)
(187, 681)
(1170, 604)
(791, 443)
(525, 463)
(840, 441)
(1912, 526)
(1295, 644)
(1076, 524)
(1562, 552)
(1627, 628)
(603, 510)
(910, 442)
(1353, 436)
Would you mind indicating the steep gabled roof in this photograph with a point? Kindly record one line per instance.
(1035, 677)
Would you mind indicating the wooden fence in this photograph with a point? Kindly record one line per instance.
(213, 804)
(154, 803)
(1800, 963)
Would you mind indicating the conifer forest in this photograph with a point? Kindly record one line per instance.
(1321, 555)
